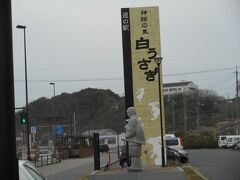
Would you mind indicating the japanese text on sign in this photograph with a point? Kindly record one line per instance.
(125, 21)
(143, 43)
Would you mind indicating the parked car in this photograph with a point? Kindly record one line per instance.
(236, 146)
(174, 142)
(27, 171)
(182, 154)
(103, 148)
(172, 154)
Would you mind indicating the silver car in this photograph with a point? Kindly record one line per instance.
(174, 142)
(27, 171)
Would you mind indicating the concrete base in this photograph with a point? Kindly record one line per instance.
(167, 173)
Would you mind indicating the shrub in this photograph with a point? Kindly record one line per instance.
(199, 142)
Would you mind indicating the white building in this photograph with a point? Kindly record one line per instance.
(111, 140)
(179, 87)
(107, 136)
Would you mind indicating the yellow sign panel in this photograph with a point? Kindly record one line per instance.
(141, 44)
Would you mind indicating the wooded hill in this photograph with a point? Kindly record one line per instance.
(93, 109)
(96, 109)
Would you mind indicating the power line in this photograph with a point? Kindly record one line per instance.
(211, 78)
(211, 85)
(71, 80)
(206, 55)
(121, 78)
(200, 72)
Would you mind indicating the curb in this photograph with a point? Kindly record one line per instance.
(196, 171)
(94, 172)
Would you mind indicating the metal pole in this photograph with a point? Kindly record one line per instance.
(74, 124)
(71, 127)
(26, 86)
(26, 89)
(184, 114)
(116, 115)
(54, 92)
(55, 126)
(173, 114)
(96, 151)
(89, 117)
(9, 161)
(237, 101)
(161, 122)
(197, 110)
(51, 83)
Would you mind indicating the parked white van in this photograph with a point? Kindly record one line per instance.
(222, 141)
(169, 135)
(231, 139)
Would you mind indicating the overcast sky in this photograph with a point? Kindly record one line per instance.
(81, 40)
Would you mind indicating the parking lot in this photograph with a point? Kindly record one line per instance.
(216, 164)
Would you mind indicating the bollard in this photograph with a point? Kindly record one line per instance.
(59, 159)
(109, 160)
(41, 161)
(128, 157)
(47, 159)
(96, 151)
(35, 162)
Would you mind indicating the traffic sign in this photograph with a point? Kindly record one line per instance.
(33, 129)
(58, 129)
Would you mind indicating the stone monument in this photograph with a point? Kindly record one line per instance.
(135, 138)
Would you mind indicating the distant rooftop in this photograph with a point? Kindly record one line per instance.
(184, 83)
(101, 132)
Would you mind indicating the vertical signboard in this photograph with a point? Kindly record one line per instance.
(141, 44)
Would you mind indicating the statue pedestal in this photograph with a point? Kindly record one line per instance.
(167, 173)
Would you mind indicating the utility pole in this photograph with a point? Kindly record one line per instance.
(71, 126)
(184, 114)
(89, 119)
(237, 101)
(173, 116)
(197, 110)
(228, 116)
(74, 124)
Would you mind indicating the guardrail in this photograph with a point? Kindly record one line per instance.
(46, 159)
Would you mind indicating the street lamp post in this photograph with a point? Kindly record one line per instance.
(116, 116)
(158, 61)
(55, 144)
(26, 88)
(53, 84)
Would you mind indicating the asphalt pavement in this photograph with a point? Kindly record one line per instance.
(216, 164)
(73, 169)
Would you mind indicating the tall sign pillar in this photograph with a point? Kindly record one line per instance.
(141, 45)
